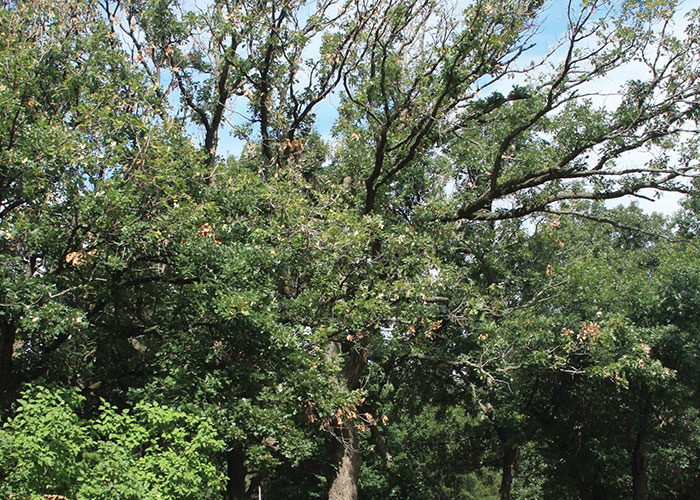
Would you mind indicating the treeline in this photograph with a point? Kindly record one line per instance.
(431, 303)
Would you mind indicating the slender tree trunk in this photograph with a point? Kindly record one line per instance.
(510, 457)
(8, 332)
(640, 490)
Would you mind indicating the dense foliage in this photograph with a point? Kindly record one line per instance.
(431, 300)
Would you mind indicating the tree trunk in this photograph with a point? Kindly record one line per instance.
(236, 470)
(510, 457)
(640, 489)
(344, 484)
(6, 351)
(639, 472)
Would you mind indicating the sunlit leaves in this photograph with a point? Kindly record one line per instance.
(151, 452)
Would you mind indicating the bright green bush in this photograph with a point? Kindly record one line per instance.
(151, 452)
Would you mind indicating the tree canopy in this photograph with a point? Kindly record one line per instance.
(429, 299)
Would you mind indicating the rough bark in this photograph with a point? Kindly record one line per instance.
(344, 484)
